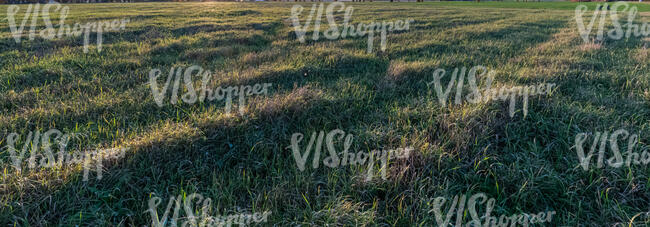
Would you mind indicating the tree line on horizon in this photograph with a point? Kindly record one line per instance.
(130, 1)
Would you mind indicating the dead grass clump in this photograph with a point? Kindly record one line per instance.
(462, 128)
(642, 54)
(152, 33)
(399, 70)
(168, 133)
(345, 212)
(227, 51)
(399, 170)
(200, 54)
(590, 46)
(295, 102)
(257, 58)
(559, 39)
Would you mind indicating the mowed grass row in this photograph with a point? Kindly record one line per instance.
(241, 161)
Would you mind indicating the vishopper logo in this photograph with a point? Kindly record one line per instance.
(45, 158)
(203, 216)
(458, 204)
(333, 32)
(599, 142)
(49, 33)
(348, 157)
(599, 16)
(205, 92)
(488, 93)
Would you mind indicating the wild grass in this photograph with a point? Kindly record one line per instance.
(242, 162)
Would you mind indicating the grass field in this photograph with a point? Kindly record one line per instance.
(242, 161)
(642, 7)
